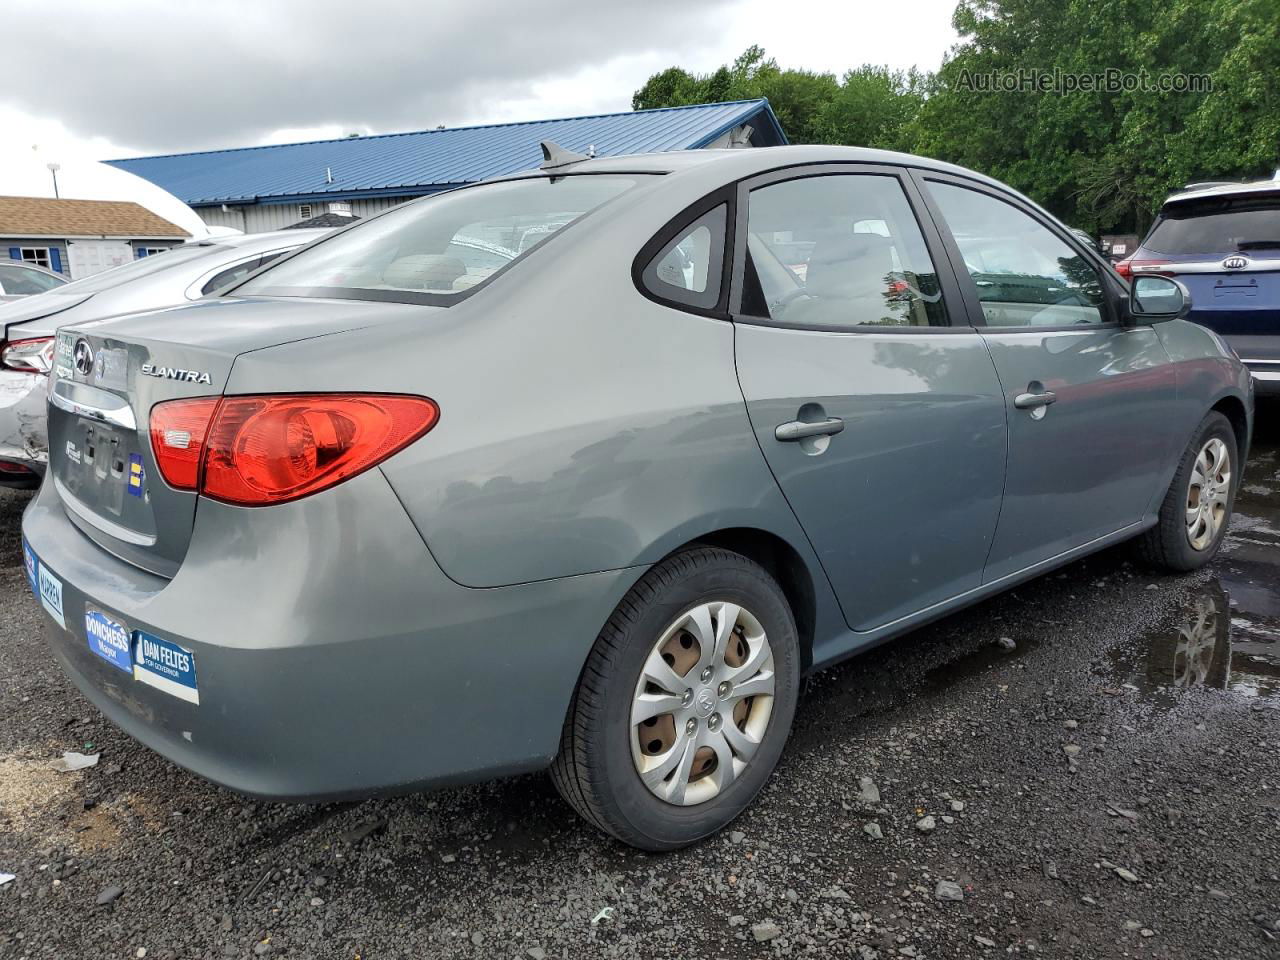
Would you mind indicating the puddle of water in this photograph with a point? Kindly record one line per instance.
(1214, 642)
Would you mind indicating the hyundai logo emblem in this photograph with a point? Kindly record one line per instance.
(1235, 263)
(83, 356)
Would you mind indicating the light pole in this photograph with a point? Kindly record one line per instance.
(53, 169)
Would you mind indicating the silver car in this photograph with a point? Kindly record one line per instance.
(390, 515)
(18, 280)
(185, 273)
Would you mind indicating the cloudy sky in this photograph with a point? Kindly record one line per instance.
(101, 80)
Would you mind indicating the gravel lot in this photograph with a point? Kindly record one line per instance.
(943, 796)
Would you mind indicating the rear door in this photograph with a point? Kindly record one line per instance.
(1087, 400)
(882, 422)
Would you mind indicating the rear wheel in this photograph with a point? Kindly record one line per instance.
(1197, 509)
(685, 702)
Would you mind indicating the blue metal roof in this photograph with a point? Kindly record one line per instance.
(412, 163)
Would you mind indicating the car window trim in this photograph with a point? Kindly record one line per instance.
(1113, 288)
(944, 269)
(726, 196)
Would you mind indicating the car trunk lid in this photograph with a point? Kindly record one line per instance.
(108, 377)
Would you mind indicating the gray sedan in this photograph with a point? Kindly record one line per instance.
(393, 514)
(27, 328)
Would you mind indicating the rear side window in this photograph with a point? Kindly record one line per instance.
(1217, 227)
(689, 268)
(1025, 275)
(437, 249)
(233, 275)
(22, 282)
(839, 250)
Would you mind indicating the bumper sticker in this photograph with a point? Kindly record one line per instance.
(108, 638)
(50, 593)
(29, 561)
(165, 666)
(135, 474)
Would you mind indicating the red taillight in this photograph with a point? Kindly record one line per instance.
(28, 356)
(1127, 268)
(178, 430)
(268, 449)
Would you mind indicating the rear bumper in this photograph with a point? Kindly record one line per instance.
(24, 441)
(1266, 378)
(333, 658)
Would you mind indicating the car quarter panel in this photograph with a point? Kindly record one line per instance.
(351, 668)
(582, 426)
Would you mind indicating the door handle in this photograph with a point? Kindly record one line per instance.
(799, 429)
(1032, 401)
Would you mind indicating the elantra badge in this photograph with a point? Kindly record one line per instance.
(168, 373)
(1235, 263)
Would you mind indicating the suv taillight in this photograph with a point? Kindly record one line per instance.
(28, 356)
(255, 451)
(1127, 268)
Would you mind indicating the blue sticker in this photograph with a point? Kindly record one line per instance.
(108, 638)
(134, 479)
(29, 560)
(165, 666)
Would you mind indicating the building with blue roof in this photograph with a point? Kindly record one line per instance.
(268, 188)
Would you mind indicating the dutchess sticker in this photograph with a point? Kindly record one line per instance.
(108, 638)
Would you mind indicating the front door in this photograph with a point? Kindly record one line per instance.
(1087, 400)
(883, 423)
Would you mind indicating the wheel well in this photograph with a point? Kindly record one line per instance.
(785, 565)
(1234, 411)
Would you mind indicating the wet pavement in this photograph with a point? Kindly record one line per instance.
(1093, 759)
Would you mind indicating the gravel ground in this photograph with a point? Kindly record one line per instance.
(1109, 787)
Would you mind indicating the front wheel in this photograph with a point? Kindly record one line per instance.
(685, 702)
(1197, 509)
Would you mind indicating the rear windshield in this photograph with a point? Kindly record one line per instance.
(1217, 226)
(436, 250)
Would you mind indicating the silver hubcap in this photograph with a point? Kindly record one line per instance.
(1207, 494)
(702, 704)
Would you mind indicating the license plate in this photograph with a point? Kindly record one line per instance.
(165, 666)
(108, 638)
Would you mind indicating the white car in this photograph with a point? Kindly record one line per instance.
(28, 326)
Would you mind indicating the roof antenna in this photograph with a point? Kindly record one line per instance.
(555, 156)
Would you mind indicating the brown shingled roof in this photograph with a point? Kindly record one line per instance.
(46, 217)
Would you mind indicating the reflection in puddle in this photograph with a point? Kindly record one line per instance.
(1206, 645)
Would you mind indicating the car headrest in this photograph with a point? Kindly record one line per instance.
(841, 266)
(424, 271)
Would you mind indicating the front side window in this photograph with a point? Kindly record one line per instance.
(23, 282)
(434, 250)
(689, 268)
(1025, 275)
(839, 250)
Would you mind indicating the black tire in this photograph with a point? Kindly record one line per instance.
(594, 770)
(1167, 545)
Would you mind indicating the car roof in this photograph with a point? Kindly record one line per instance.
(23, 265)
(1225, 191)
(745, 162)
(272, 238)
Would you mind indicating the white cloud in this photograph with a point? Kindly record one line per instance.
(173, 77)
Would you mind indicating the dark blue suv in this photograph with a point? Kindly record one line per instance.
(1222, 241)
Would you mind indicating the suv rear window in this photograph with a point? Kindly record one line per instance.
(437, 249)
(1218, 226)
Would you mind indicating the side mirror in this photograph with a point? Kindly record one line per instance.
(1157, 299)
